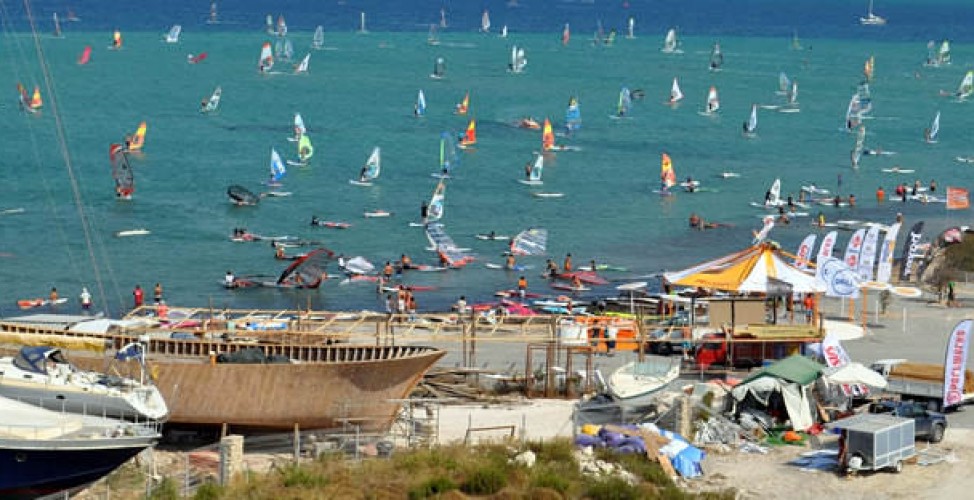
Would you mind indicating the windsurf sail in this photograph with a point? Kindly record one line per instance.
(547, 136)
(667, 175)
(670, 43)
(121, 172)
(766, 227)
(573, 115)
(625, 102)
(173, 35)
(853, 114)
(518, 60)
(436, 207)
(85, 55)
(503, 31)
(485, 21)
(373, 166)
(751, 125)
(433, 38)
(361, 23)
(442, 17)
(796, 43)
(269, 24)
(281, 26)
(464, 105)
(420, 108)
(305, 149)
(676, 95)
(213, 102)
(966, 87)
(534, 175)
(783, 83)
(449, 159)
(302, 67)
(943, 55)
(793, 94)
(318, 40)
(470, 136)
(448, 251)
(278, 170)
(713, 103)
(631, 28)
(57, 26)
(136, 140)
(241, 195)
(716, 57)
(214, 16)
(439, 69)
(931, 133)
(198, 58)
(299, 128)
(566, 35)
(859, 147)
(773, 197)
(116, 39)
(36, 102)
(868, 67)
(307, 271)
(24, 97)
(266, 61)
(531, 241)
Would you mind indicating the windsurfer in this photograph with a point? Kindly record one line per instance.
(567, 266)
(880, 194)
(85, 299)
(203, 104)
(230, 281)
(691, 186)
(405, 262)
(363, 175)
(933, 185)
(527, 170)
(315, 221)
(278, 250)
(424, 211)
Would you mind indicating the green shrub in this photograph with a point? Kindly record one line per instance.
(648, 471)
(558, 450)
(544, 477)
(165, 490)
(485, 481)
(612, 488)
(432, 487)
(297, 476)
(209, 491)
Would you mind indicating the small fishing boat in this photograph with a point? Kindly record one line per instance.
(638, 382)
(871, 18)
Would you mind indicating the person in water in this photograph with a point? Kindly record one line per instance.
(510, 263)
(315, 221)
(691, 186)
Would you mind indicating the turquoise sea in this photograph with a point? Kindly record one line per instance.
(360, 94)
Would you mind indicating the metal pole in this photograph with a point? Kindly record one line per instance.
(904, 319)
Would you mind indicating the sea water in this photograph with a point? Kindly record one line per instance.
(360, 94)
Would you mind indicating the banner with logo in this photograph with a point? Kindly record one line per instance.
(804, 253)
(868, 255)
(956, 363)
(836, 356)
(885, 269)
(852, 250)
(828, 243)
(958, 198)
(837, 278)
(911, 251)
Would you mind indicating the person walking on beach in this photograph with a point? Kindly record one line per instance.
(138, 296)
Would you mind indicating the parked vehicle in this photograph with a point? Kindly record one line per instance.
(874, 441)
(743, 352)
(921, 382)
(675, 336)
(929, 425)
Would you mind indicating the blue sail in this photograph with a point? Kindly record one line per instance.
(573, 116)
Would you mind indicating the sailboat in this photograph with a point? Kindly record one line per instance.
(463, 106)
(121, 172)
(503, 33)
(631, 28)
(871, 18)
(269, 24)
(305, 151)
(566, 35)
(716, 57)
(518, 61)
(214, 17)
(302, 67)
(676, 95)
(939, 57)
(449, 158)
(371, 170)
(670, 43)
(318, 40)
(859, 147)
(361, 23)
(116, 40)
(965, 89)
(469, 139)
(281, 26)
(573, 116)
(57, 27)
(751, 125)
(173, 35)
(713, 103)
(534, 172)
(210, 105)
(930, 134)
(485, 22)
(667, 176)
(624, 106)
(439, 68)
(31, 103)
(436, 207)
(278, 170)
(419, 109)
(299, 128)
(85, 55)
(135, 141)
(266, 61)
(548, 140)
(433, 38)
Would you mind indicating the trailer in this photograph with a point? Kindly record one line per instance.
(871, 442)
(921, 382)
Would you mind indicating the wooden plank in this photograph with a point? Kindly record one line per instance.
(664, 462)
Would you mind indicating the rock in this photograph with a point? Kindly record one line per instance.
(527, 459)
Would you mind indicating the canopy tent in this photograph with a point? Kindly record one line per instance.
(762, 268)
(791, 377)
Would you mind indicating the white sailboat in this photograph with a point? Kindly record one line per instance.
(503, 33)
(518, 60)
(302, 67)
(371, 170)
(751, 125)
(361, 24)
(299, 128)
(670, 43)
(214, 17)
(210, 105)
(716, 57)
(713, 103)
(631, 28)
(871, 18)
(173, 35)
(318, 40)
(419, 109)
(485, 22)
(433, 38)
(533, 173)
(676, 95)
(930, 134)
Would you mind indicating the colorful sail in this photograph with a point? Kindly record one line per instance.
(573, 115)
(213, 102)
(449, 158)
(532, 241)
(302, 67)
(24, 96)
(318, 40)
(305, 149)
(470, 136)
(676, 95)
(931, 133)
(420, 108)
(667, 175)
(116, 39)
(448, 251)
(804, 254)
(853, 249)
(307, 271)
(547, 136)
(35, 99)
(713, 103)
(121, 172)
(136, 140)
(85, 55)
(278, 170)
(436, 207)
(173, 35)
(266, 61)
(625, 102)
(464, 106)
(868, 67)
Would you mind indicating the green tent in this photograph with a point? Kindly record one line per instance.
(795, 368)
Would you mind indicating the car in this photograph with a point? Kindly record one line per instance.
(930, 425)
(673, 335)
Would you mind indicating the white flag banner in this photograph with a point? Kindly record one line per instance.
(837, 278)
(804, 252)
(885, 269)
(868, 256)
(828, 242)
(956, 363)
(853, 249)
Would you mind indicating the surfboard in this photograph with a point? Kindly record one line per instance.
(32, 303)
(489, 237)
(789, 110)
(517, 267)
(334, 225)
(278, 194)
(355, 182)
(898, 171)
(728, 175)
(965, 159)
(569, 288)
(378, 213)
(530, 183)
(294, 163)
(548, 195)
(12, 211)
(132, 232)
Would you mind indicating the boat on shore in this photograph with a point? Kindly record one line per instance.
(638, 382)
(283, 373)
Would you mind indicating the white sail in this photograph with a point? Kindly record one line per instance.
(670, 43)
(213, 102)
(302, 67)
(278, 170)
(774, 198)
(281, 26)
(361, 27)
(214, 17)
(269, 24)
(173, 35)
(504, 31)
(713, 103)
(859, 146)
(931, 135)
(793, 94)
(518, 60)
(485, 22)
(534, 173)
(943, 55)
(716, 57)
(631, 29)
(783, 83)
(420, 109)
(871, 18)
(966, 87)
(752, 121)
(318, 40)
(436, 207)
(373, 166)
(299, 128)
(57, 26)
(676, 95)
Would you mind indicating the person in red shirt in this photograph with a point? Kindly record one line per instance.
(138, 295)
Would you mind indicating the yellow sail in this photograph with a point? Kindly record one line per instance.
(464, 106)
(470, 137)
(547, 136)
(667, 175)
(137, 139)
(36, 102)
(117, 39)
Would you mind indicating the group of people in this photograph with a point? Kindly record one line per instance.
(403, 301)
